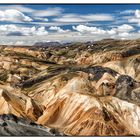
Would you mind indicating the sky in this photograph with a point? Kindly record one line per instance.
(27, 24)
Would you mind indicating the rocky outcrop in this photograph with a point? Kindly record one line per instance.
(20, 105)
(11, 125)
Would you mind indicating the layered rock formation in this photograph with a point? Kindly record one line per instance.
(78, 89)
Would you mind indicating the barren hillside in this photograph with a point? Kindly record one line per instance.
(86, 89)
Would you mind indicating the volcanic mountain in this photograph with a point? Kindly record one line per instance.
(78, 89)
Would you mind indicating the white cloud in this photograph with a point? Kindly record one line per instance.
(20, 8)
(124, 35)
(41, 19)
(17, 13)
(122, 31)
(13, 30)
(58, 29)
(90, 30)
(135, 18)
(94, 30)
(49, 23)
(19, 43)
(98, 17)
(83, 18)
(79, 32)
(48, 12)
(69, 18)
(111, 32)
(137, 13)
(126, 12)
(124, 28)
(40, 31)
(13, 16)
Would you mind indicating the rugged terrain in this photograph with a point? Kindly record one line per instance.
(77, 89)
(10, 125)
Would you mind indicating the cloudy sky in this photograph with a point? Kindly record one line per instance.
(27, 24)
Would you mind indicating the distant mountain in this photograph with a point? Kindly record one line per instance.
(47, 44)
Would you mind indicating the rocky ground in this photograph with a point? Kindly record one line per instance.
(76, 89)
(10, 125)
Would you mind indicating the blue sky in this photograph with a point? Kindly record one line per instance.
(27, 24)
